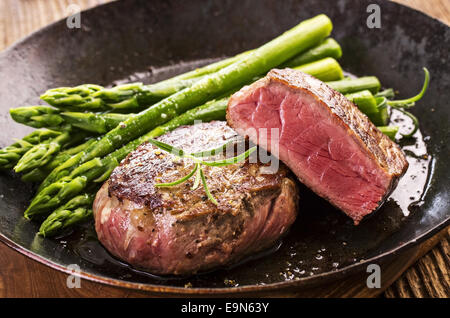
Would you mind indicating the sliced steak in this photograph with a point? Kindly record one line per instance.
(328, 143)
(179, 230)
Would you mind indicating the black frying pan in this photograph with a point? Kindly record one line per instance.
(151, 40)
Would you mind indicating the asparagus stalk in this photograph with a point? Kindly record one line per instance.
(10, 155)
(54, 118)
(37, 116)
(371, 106)
(38, 174)
(347, 86)
(390, 131)
(42, 153)
(98, 123)
(328, 48)
(208, 69)
(127, 97)
(296, 40)
(75, 211)
(327, 69)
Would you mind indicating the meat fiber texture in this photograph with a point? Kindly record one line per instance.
(180, 231)
(329, 144)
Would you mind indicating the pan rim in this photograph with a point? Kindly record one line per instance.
(167, 289)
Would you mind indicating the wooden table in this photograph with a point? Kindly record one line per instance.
(22, 277)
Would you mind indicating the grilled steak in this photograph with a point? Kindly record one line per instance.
(328, 143)
(178, 230)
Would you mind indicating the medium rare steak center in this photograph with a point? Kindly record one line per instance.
(178, 230)
(330, 145)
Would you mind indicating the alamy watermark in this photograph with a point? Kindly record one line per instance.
(374, 279)
(74, 280)
(374, 19)
(73, 20)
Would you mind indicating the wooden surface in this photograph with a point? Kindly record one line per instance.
(22, 277)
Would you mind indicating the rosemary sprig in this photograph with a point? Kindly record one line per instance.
(414, 120)
(409, 102)
(198, 170)
(402, 104)
(197, 179)
(388, 93)
(205, 185)
(181, 180)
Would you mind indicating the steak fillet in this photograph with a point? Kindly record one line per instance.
(328, 143)
(178, 230)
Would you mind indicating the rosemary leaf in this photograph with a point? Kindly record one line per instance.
(197, 178)
(415, 122)
(181, 180)
(205, 186)
(405, 103)
(229, 161)
(166, 147)
(198, 164)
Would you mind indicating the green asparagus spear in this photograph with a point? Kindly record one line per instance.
(75, 211)
(365, 101)
(128, 97)
(54, 118)
(40, 173)
(352, 85)
(212, 110)
(305, 35)
(382, 117)
(390, 131)
(37, 116)
(371, 106)
(328, 48)
(327, 69)
(50, 198)
(208, 69)
(10, 155)
(41, 153)
(98, 123)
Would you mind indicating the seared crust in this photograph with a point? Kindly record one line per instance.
(179, 230)
(134, 179)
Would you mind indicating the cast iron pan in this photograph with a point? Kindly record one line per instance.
(151, 40)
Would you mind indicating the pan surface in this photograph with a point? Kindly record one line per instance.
(152, 40)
